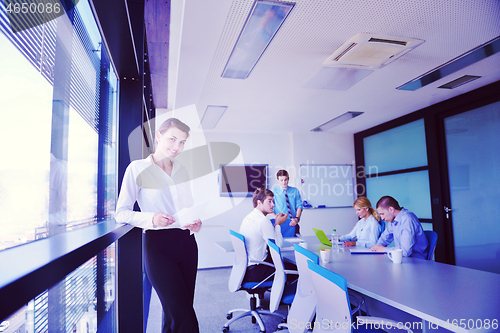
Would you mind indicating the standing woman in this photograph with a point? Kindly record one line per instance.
(161, 187)
(368, 229)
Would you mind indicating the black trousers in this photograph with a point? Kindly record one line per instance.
(257, 273)
(171, 260)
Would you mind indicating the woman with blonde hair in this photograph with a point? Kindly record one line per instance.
(368, 229)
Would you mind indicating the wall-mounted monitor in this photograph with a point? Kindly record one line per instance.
(242, 180)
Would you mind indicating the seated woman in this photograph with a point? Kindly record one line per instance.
(368, 229)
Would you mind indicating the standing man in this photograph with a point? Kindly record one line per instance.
(287, 200)
(404, 228)
(257, 229)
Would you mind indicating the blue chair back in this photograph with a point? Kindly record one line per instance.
(279, 276)
(432, 238)
(240, 261)
(303, 306)
(333, 301)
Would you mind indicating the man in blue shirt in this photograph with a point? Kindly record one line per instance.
(287, 200)
(404, 228)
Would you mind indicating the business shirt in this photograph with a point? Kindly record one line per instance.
(280, 206)
(407, 234)
(154, 190)
(257, 229)
(365, 233)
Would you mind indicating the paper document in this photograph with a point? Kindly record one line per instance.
(186, 216)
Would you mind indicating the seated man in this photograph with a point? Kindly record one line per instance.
(404, 228)
(257, 229)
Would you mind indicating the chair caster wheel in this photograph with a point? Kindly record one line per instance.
(229, 316)
(225, 329)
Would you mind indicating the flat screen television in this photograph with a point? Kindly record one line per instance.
(242, 180)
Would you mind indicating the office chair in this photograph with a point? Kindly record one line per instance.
(255, 289)
(333, 311)
(303, 306)
(432, 238)
(280, 291)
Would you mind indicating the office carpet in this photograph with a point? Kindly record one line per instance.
(212, 301)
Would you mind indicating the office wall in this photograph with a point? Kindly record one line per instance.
(279, 150)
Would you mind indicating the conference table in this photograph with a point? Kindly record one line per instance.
(455, 298)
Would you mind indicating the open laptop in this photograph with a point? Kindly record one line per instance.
(363, 250)
(321, 236)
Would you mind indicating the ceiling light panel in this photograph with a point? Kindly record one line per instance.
(337, 121)
(337, 78)
(212, 115)
(262, 24)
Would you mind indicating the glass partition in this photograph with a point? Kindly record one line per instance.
(402, 147)
(473, 157)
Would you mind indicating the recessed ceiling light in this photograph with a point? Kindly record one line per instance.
(212, 115)
(262, 24)
(337, 121)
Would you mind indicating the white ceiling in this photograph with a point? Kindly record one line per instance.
(273, 97)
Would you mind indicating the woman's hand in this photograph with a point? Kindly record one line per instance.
(349, 244)
(195, 226)
(162, 220)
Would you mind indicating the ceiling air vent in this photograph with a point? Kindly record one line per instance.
(371, 51)
(460, 81)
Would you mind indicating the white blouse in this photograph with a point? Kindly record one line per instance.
(154, 190)
(365, 233)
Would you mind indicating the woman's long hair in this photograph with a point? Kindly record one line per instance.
(363, 202)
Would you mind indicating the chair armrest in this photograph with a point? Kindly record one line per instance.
(263, 263)
(291, 272)
(261, 282)
(357, 307)
(382, 323)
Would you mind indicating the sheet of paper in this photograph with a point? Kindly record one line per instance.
(186, 216)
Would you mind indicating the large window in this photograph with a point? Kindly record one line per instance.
(58, 93)
(397, 163)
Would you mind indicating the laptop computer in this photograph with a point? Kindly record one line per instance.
(321, 236)
(363, 250)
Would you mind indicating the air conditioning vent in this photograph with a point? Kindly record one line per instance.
(388, 41)
(345, 51)
(460, 81)
(371, 51)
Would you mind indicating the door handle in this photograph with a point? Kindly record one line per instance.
(447, 210)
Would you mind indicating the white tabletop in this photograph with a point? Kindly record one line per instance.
(438, 293)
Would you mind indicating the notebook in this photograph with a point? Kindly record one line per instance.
(363, 250)
(321, 236)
